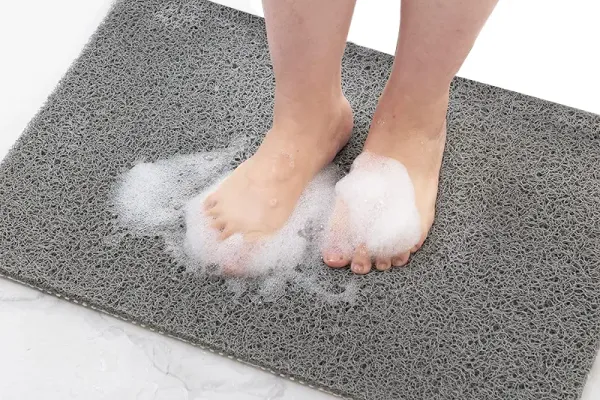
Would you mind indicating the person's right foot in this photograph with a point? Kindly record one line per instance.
(259, 196)
(415, 137)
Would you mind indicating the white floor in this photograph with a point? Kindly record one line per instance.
(55, 350)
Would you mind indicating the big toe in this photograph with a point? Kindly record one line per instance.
(335, 258)
(210, 201)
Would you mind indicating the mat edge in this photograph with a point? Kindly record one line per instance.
(202, 346)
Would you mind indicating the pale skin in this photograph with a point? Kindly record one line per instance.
(313, 120)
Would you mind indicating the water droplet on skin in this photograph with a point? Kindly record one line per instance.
(273, 202)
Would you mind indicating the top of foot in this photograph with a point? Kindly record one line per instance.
(259, 196)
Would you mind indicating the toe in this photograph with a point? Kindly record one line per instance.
(233, 270)
(226, 231)
(361, 261)
(383, 263)
(335, 259)
(337, 238)
(401, 259)
(417, 246)
(210, 201)
(218, 224)
(213, 211)
(237, 264)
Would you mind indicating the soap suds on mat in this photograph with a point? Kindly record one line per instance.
(164, 198)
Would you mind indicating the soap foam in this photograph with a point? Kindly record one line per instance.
(164, 199)
(149, 197)
(376, 208)
(281, 251)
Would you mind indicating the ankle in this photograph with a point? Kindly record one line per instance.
(419, 88)
(411, 113)
(306, 97)
(316, 112)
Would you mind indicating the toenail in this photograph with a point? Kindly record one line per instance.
(333, 258)
(382, 265)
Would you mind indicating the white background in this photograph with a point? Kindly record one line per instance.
(545, 48)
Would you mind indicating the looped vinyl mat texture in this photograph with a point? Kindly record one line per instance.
(502, 302)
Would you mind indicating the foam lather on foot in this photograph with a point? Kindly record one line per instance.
(379, 199)
(501, 302)
(280, 252)
(165, 199)
(149, 198)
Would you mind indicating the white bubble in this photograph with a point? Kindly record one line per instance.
(279, 252)
(378, 209)
(149, 197)
(165, 199)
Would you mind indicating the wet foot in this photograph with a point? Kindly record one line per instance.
(413, 135)
(259, 196)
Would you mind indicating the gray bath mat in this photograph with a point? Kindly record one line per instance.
(501, 303)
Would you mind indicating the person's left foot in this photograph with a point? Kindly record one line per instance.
(416, 138)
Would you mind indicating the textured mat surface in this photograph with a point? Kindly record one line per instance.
(501, 303)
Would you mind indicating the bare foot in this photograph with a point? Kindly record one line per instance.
(259, 196)
(414, 136)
